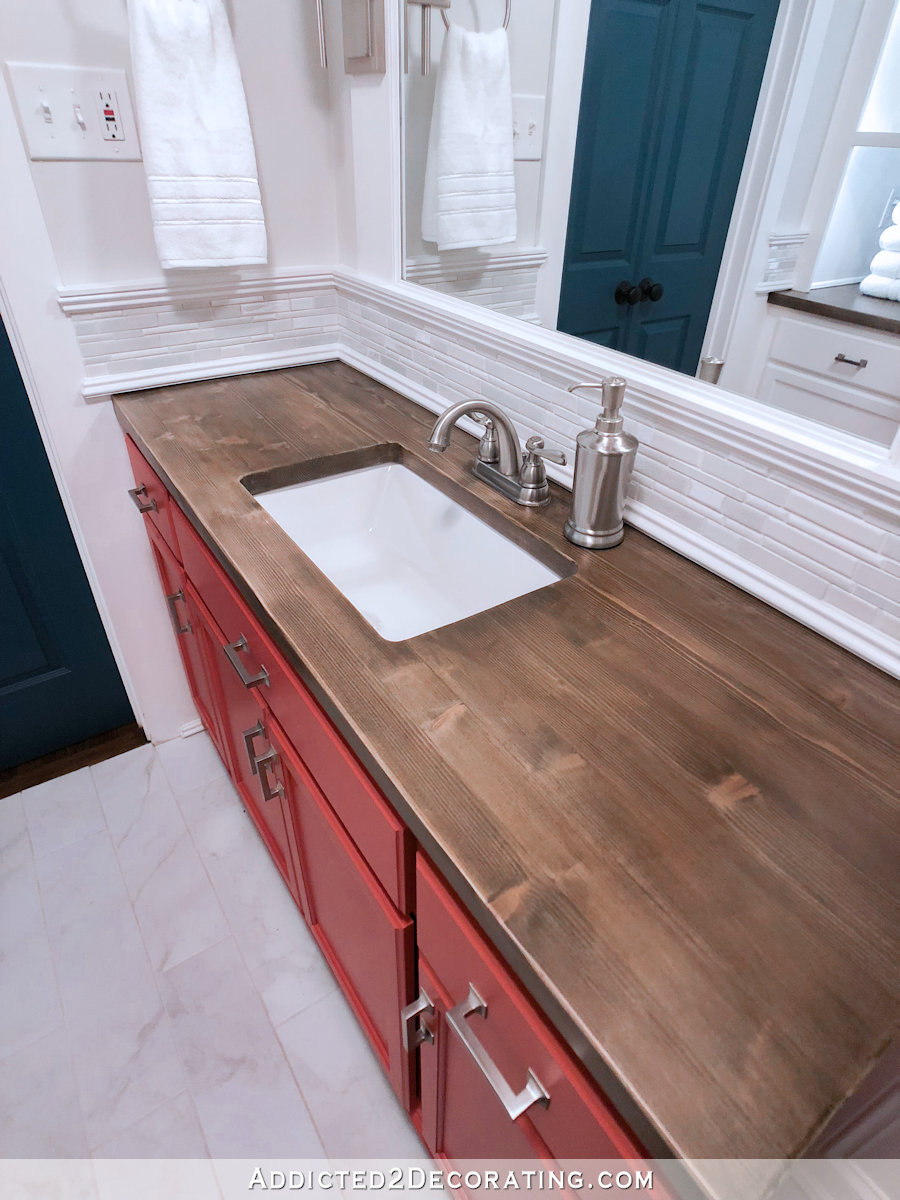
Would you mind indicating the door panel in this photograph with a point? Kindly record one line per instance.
(681, 78)
(367, 942)
(462, 1118)
(620, 96)
(59, 683)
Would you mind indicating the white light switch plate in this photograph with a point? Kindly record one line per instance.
(528, 127)
(74, 112)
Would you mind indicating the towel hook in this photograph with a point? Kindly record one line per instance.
(506, 16)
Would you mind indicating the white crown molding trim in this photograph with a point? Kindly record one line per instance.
(103, 386)
(76, 301)
(830, 461)
(422, 270)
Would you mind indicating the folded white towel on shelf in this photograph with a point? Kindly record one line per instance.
(880, 286)
(886, 262)
(195, 134)
(890, 238)
(470, 189)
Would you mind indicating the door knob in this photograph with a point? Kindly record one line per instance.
(650, 290)
(627, 293)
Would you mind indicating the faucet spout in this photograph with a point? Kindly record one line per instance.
(507, 438)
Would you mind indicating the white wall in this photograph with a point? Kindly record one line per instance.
(97, 213)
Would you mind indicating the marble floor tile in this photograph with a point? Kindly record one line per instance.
(190, 762)
(62, 811)
(29, 999)
(246, 1096)
(157, 1179)
(47, 1179)
(170, 1131)
(160, 864)
(352, 1103)
(284, 961)
(39, 1112)
(122, 1048)
(79, 880)
(15, 845)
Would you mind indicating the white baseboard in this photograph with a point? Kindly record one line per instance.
(191, 727)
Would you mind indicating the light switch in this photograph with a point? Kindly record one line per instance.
(528, 127)
(74, 112)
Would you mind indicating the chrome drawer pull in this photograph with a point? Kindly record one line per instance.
(851, 362)
(248, 735)
(420, 1005)
(262, 761)
(136, 493)
(173, 612)
(515, 1103)
(232, 650)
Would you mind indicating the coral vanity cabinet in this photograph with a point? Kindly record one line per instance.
(463, 1046)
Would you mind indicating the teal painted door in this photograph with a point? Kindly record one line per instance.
(668, 96)
(59, 682)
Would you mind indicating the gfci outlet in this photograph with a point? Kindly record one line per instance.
(74, 112)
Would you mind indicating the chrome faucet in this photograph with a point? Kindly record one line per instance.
(499, 461)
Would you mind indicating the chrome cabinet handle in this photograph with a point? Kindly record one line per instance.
(232, 650)
(136, 493)
(262, 761)
(515, 1103)
(248, 736)
(173, 612)
(422, 1033)
(851, 362)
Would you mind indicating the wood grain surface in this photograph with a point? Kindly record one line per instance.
(673, 809)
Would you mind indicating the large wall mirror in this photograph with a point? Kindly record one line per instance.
(674, 162)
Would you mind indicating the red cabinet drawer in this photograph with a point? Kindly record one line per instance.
(381, 837)
(577, 1122)
(368, 943)
(152, 498)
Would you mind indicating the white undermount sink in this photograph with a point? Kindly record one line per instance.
(404, 554)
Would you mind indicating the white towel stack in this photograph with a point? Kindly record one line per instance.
(884, 280)
(470, 188)
(195, 133)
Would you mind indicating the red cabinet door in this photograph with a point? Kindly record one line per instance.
(189, 631)
(367, 941)
(509, 1034)
(151, 498)
(462, 1118)
(248, 753)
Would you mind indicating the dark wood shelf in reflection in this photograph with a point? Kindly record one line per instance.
(844, 303)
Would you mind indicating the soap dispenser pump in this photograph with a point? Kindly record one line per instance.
(603, 461)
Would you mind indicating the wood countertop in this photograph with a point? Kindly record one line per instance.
(672, 809)
(843, 302)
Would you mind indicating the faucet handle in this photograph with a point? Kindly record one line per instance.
(534, 449)
(489, 446)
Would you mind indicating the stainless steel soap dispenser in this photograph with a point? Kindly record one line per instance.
(603, 461)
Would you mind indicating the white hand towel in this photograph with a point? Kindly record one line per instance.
(890, 238)
(470, 188)
(195, 133)
(886, 262)
(880, 286)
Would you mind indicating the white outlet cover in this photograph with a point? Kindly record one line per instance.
(53, 133)
(528, 127)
